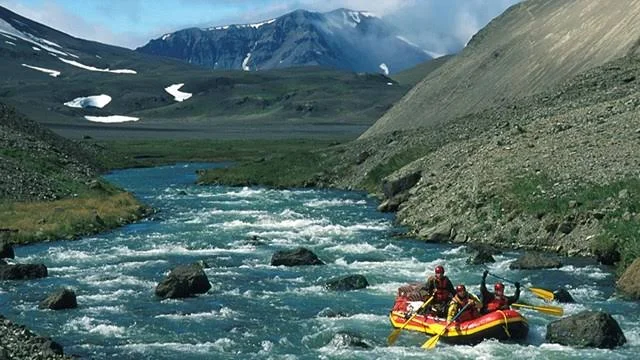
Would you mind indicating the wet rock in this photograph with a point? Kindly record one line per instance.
(608, 255)
(393, 204)
(183, 281)
(481, 257)
(396, 185)
(563, 296)
(22, 271)
(254, 240)
(438, 234)
(203, 264)
(6, 250)
(61, 299)
(329, 313)
(534, 261)
(349, 282)
(344, 340)
(297, 257)
(586, 329)
(486, 248)
(629, 282)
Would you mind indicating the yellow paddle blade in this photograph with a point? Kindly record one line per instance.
(551, 310)
(431, 343)
(391, 339)
(542, 293)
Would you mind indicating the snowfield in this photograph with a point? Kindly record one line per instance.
(91, 68)
(53, 73)
(111, 119)
(177, 94)
(9, 31)
(98, 101)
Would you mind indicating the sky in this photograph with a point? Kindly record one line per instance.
(440, 26)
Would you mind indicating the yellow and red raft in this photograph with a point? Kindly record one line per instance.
(503, 325)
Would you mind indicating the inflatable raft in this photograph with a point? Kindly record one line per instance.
(503, 325)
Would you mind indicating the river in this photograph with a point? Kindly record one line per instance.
(254, 310)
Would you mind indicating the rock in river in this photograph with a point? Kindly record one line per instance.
(534, 261)
(629, 282)
(586, 329)
(349, 282)
(61, 299)
(22, 271)
(296, 257)
(183, 281)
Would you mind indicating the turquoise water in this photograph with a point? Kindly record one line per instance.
(256, 311)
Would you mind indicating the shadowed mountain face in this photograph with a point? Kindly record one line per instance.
(341, 39)
(532, 46)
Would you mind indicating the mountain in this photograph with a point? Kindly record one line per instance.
(60, 80)
(532, 46)
(342, 39)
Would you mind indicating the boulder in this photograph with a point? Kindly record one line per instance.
(481, 257)
(183, 281)
(6, 250)
(349, 282)
(22, 271)
(344, 340)
(534, 261)
(438, 234)
(329, 313)
(629, 282)
(586, 329)
(486, 248)
(396, 185)
(608, 255)
(61, 299)
(296, 257)
(563, 296)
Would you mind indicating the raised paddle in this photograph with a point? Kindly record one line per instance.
(541, 293)
(432, 342)
(551, 310)
(391, 339)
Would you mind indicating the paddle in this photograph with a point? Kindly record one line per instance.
(431, 343)
(391, 339)
(551, 310)
(541, 293)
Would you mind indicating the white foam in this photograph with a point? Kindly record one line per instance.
(220, 345)
(98, 101)
(590, 271)
(333, 202)
(111, 119)
(92, 68)
(92, 326)
(224, 313)
(454, 251)
(360, 248)
(53, 73)
(178, 95)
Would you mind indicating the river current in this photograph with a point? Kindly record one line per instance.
(256, 311)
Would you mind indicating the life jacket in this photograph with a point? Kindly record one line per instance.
(497, 303)
(441, 293)
(470, 312)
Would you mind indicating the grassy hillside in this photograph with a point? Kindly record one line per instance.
(49, 188)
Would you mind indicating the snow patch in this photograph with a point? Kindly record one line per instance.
(390, 83)
(245, 63)
(10, 43)
(258, 25)
(91, 68)
(98, 101)
(9, 31)
(36, 48)
(7, 36)
(384, 68)
(53, 73)
(177, 94)
(255, 26)
(111, 119)
(165, 37)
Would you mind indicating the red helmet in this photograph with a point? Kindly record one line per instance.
(499, 287)
(439, 270)
(461, 288)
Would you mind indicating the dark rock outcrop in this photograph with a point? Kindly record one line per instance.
(629, 282)
(563, 296)
(586, 329)
(18, 342)
(329, 313)
(349, 282)
(183, 281)
(297, 257)
(534, 261)
(22, 271)
(481, 257)
(59, 300)
(343, 340)
(6, 250)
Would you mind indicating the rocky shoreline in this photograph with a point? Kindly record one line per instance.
(17, 343)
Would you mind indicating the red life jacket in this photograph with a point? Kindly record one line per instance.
(441, 292)
(469, 313)
(497, 303)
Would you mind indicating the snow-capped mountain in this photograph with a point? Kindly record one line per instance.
(343, 39)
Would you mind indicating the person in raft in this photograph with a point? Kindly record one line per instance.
(440, 287)
(460, 299)
(496, 300)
